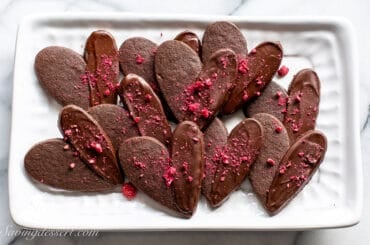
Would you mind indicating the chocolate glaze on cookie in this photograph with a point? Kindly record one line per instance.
(193, 93)
(192, 40)
(215, 138)
(91, 142)
(254, 73)
(60, 72)
(303, 103)
(272, 101)
(188, 159)
(53, 162)
(296, 169)
(145, 108)
(101, 56)
(116, 122)
(274, 146)
(235, 159)
(220, 35)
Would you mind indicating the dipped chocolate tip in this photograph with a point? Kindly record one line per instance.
(296, 169)
(54, 163)
(145, 108)
(91, 142)
(191, 39)
(101, 56)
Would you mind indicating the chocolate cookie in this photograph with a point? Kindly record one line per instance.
(60, 72)
(274, 146)
(254, 73)
(136, 55)
(174, 180)
(234, 160)
(188, 160)
(101, 55)
(303, 103)
(115, 121)
(220, 35)
(145, 108)
(272, 101)
(192, 92)
(91, 142)
(215, 138)
(192, 40)
(54, 163)
(296, 169)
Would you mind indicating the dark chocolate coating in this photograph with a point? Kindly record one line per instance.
(220, 35)
(274, 146)
(303, 103)
(215, 138)
(128, 53)
(188, 159)
(101, 56)
(235, 159)
(49, 163)
(146, 108)
(192, 40)
(262, 64)
(91, 142)
(296, 169)
(115, 121)
(194, 94)
(145, 161)
(272, 101)
(59, 71)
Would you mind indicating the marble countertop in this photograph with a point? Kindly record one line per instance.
(12, 11)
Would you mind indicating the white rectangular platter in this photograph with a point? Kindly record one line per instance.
(333, 198)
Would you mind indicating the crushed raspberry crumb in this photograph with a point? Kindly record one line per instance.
(190, 179)
(283, 71)
(253, 51)
(205, 113)
(301, 154)
(129, 191)
(243, 66)
(139, 59)
(72, 165)
(278, 129)
(169, 175)
(245, 96)
(96, 147)
(148, 97)
(107, 92)
(137, 119)
(193, 107)
(270, 162)
(278, 94)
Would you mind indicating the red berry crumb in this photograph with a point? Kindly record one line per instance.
(270, 162)
(283, 71)
(139, 59)
(278, 129)
(129, 191)
(137, 119)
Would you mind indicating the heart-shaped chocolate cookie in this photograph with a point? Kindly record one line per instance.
(115, 121)
(230, 164)
(101, 56)
(174, 180)
(254, 73)
(60, 72)
(91, 142)
(192, 40)
(193, 92)
(220, 35)
(296, 169)
(274, 146)
(272, 101)
(136, 56)
(145, 108)
(54, 163)
(303, 103)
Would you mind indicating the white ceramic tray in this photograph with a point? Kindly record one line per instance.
(332, 199)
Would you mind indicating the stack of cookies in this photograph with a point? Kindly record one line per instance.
(118, 132)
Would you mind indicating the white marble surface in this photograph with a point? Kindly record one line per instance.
(11, 12)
